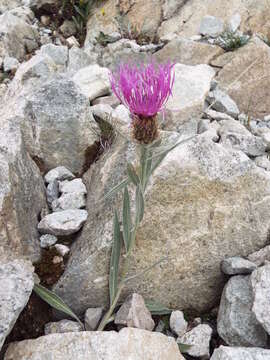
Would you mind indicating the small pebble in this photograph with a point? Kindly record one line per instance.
(62, 250)
(47, 240)
(57, 260)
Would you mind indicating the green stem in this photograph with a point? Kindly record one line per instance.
(109, 313)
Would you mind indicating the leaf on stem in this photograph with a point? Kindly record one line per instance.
(117, 188)
(127, 223)
(54, 301)
(132, 175)
(115, 257)
(139, 205)
(157, 309)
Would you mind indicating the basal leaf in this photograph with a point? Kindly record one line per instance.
(116, 188)
(54, 301)
(157, 309)
(115, 257)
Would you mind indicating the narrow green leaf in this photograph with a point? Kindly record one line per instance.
(79, 11)
(54, 301)
(127, 224)
(115, 257)
(184, 347)
(157, 309)
(139, 205)
(115, 189)
(132, 175)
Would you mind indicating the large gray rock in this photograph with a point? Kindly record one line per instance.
(246, 77)
(236, 324)
(211, 26)
(17, 281)
(129, 343)
(186, 22)
(188, 52)
(140, 18)
(62, 223)
(93, 81)
(235, 135)
(22, 192)
(58, 126)
(17, 37)
(191, 86)
(240, 353)
(209, 201)
(260, 282)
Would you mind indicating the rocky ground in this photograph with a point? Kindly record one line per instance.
(207, 205)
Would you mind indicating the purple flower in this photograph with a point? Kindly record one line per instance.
(143, 89)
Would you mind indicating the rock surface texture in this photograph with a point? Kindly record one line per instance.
(188, 208)
(240, 353)
(17, 282)
(237, 324)
(130, 343)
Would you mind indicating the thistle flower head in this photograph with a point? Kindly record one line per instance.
(143, 89)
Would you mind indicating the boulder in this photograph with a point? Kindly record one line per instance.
(235, 135)
(211, 26)
(47, 240)
(186, 22)
(205, 202)
(58, 126)
(260, 283)
(191, 86)
(240, 353)
(17, 37)
(17, 282)
(93, 81)
(129, 343)
(246, 77)
(236, 323)
(188, 52)
(140, 17)
(22, 192)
